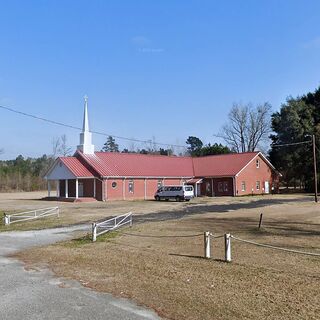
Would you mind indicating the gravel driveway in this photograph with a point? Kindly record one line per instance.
(38, 294)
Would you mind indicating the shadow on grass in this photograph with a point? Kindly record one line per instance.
(195, 257)
(195, 209)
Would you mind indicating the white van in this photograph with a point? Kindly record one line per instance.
(178, 193)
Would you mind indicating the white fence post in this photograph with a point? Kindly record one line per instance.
(30, 215)
(227, 246)
(94, 232)
(6, 219)
(206, 238)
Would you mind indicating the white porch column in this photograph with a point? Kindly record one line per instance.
(196, 191)
(212, 192)
(49, 188)
(94, 187)
(77, 189)
(58, 188)
(66, 182)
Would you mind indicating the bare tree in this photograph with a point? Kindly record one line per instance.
(60, 147)
(248, 126)
(132, 147)
(55, 146)
(64, 149)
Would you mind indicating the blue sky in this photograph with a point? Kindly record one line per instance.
(165, 69)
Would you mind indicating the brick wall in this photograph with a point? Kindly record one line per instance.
(251, 174)
(118, 189)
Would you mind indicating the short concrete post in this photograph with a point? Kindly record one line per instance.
(206, 238)
(58, 212)
(94, 232)
(227, 246)
(6, 219)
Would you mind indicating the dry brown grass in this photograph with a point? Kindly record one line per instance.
(73, 213)
(170, 275)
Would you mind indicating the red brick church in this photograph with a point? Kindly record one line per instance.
(114, 176)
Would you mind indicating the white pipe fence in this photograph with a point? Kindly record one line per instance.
(30, 215)
(111, 224)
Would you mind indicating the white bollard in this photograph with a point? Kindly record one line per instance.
(227, 246)
(94, 232)
(206, 236)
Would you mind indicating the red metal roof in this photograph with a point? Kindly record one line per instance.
(139, 165)
(221, 165)
(76, 167)
(114, 164)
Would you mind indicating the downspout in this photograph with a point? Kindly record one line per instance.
(145, 189)
(124, 189)
(106, 191)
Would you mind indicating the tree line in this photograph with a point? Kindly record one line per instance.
(26, 174)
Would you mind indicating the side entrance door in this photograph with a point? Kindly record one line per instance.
(266, 187)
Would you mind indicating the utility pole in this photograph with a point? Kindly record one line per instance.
(315, 168)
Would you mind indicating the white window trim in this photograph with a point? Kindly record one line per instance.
(131, 182)
(258, 185)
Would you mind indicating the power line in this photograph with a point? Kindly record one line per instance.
(95, 132)
(290, 144)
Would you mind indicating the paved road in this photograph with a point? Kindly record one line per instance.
(38, 294)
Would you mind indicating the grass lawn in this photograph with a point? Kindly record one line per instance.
(74, 213)
(168, 274)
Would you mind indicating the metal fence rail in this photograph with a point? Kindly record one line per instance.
(110, 224)
(30, 215)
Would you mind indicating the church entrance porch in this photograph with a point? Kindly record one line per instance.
(79, 189)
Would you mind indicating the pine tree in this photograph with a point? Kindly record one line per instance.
(110, 145)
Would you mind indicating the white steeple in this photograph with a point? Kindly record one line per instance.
(86, 145)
